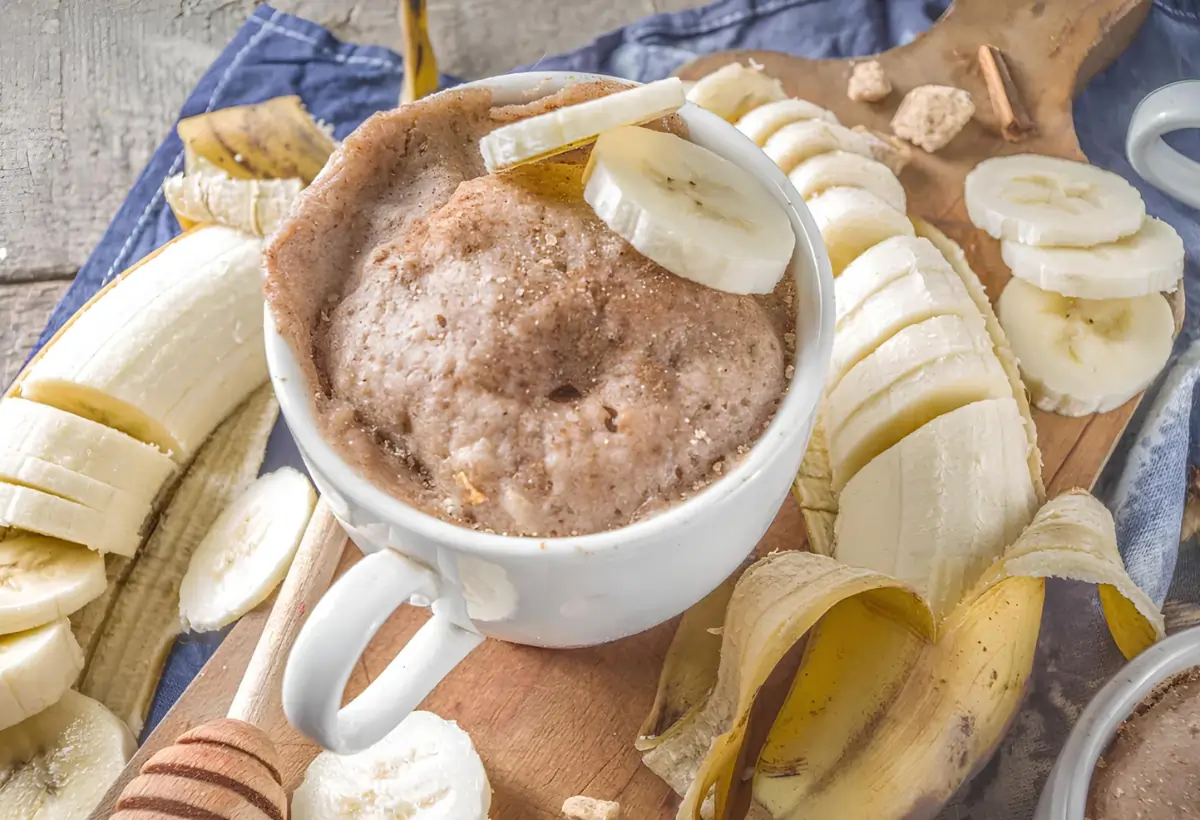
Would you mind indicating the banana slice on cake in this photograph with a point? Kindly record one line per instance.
(424, 769)
(842, 169)
(558, 131)
(58, 764)
(733, 90)
(792, 144)
(695, 213)
(1081, 356)
(43, 579)
(924, 371)
(36, 667)
(247, 551)
(1039, 200)
(1149, 261)
(852, 220)
(761, 123)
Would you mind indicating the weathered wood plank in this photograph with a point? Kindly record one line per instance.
(87, 90)
(23, 311)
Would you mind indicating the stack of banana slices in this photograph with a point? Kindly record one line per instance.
(92, 435)
(1085, 310)
(872, 679)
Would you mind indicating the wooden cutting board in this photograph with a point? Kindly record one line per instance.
(551, 724)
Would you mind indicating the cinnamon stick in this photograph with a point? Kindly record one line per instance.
(1015, 122)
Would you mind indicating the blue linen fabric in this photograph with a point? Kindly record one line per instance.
(276, 54)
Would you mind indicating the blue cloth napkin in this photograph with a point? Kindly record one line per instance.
(276, 54)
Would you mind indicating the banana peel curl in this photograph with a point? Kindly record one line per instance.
(243, 166)
(888, 712)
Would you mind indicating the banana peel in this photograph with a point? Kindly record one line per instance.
(887, 714)
(126, 653)
(275, 139)
(208, 194)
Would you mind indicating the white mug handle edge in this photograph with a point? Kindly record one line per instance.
(332, 640)
(1167, 109)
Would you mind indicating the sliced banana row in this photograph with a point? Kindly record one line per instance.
(916, 371)
(1083, 310)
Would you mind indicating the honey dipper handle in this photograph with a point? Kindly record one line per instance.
(311, 571)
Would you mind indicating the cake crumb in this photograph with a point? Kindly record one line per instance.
(932, 115)
(589, 808)
(868, 83)
(473, 495)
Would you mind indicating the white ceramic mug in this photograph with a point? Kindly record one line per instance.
(554, 592)
(1170, 108)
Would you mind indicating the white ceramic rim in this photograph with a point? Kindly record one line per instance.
(1066, 791)
(798, 406)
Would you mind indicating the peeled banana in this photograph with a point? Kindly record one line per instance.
(871, 684)
(128, 360)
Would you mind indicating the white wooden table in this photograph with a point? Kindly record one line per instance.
(88, 88)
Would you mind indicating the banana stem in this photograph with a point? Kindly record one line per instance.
(420, 66)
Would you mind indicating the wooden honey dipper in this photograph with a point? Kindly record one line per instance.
(229, 768)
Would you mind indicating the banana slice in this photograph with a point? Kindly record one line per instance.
(765, 120)
(58, 764)
(909, 300)
(1148, 261)
(36, 667)
(693, 212)
(733, 90)
(924, 371)
(842, 169)
(84, 447)
(1081, 356)
(424, 769)
(43, 579)
(35, 511)
(1042, 200)
(851, 220)
(32, 472)
(941, 505)
(170, 350)
(558, 131)
(792, 144)
(247, 551)
(883, 264)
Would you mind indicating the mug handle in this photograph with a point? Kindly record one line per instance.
(337, 632)
(1170, 108)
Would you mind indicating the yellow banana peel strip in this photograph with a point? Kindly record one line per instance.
(774, 605)
(275, 139)
(883, 719)
(813, 491)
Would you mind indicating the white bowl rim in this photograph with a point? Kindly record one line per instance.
(799, 405)
(1065, 794)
